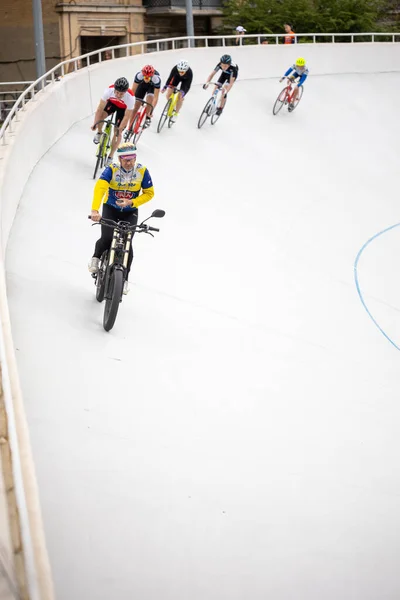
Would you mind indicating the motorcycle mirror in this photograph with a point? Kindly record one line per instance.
(158, 213)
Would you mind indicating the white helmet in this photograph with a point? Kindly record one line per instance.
(182, 65)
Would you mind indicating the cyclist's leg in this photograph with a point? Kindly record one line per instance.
(140, 93)
(223, 97)
(108, 110)
(223, 80)
(169, 91)
(104, 242)
(184, 90)
(295, 92)
(149, 98)
(117, 136)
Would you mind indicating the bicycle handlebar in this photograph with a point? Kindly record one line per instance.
(106, 121)
(144, 102)
(124, 225)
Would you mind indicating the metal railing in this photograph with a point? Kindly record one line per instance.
(9, 96)
(197, 4)
(172, 44)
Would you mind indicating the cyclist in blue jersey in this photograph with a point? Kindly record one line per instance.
(297, 73)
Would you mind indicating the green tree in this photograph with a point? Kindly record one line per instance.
(319, 16)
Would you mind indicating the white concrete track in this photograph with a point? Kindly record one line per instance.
(235, 436)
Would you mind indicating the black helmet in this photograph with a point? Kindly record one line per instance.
(121, 85)
(226, 59)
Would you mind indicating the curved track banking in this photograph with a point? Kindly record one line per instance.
(235, 435)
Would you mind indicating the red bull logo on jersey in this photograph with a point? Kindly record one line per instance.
(123, 194)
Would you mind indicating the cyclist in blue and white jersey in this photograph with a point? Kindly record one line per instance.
(298, 73)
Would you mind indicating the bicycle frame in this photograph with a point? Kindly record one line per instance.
(105, 141)
(217, 93)
(285, 97)
(136, 126)
(174, 97)
(118, 240)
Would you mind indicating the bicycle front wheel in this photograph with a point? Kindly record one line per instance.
(205, 113)
(101, 277)
(164, 116)
(101, 151)
(279, 102)
(112, 302)
(138, 126)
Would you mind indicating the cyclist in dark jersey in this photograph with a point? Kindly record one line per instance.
(227, 78)
(180, 74)
(147, 82)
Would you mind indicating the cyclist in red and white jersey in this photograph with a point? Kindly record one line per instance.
(119, 99)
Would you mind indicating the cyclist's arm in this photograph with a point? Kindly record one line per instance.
(147, 191)
(189, 81)
(134, 88)
(302, 79)
(156, 95)
(290, 69)
(100, 110)
(101, 188)
(211, 76)
(126, 119)
(170, 78)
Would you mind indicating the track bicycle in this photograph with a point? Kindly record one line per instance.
(104, 146)
(135, 130)
(210, 109)
(169, 109)
(111, 275)
(286, 97)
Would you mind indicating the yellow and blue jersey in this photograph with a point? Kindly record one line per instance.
(115, 184)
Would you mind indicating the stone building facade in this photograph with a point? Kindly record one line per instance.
(74, 27)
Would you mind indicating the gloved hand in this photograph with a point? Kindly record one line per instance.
(205, 86)
(281, 79)
(164, 88)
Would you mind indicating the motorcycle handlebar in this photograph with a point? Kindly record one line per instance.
(111, 223)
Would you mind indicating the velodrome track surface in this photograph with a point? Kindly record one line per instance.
(235, 435)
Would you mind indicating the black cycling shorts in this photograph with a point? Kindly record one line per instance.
(224, 78)
(144, 88)
(185, 85)
(110, 108)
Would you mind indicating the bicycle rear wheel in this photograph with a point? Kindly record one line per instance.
(101, 277)
(205, 114)
(112, 302)
(215, 117)
(101, 151)
(280, 101)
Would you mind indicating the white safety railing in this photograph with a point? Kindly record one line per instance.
(172, 44)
